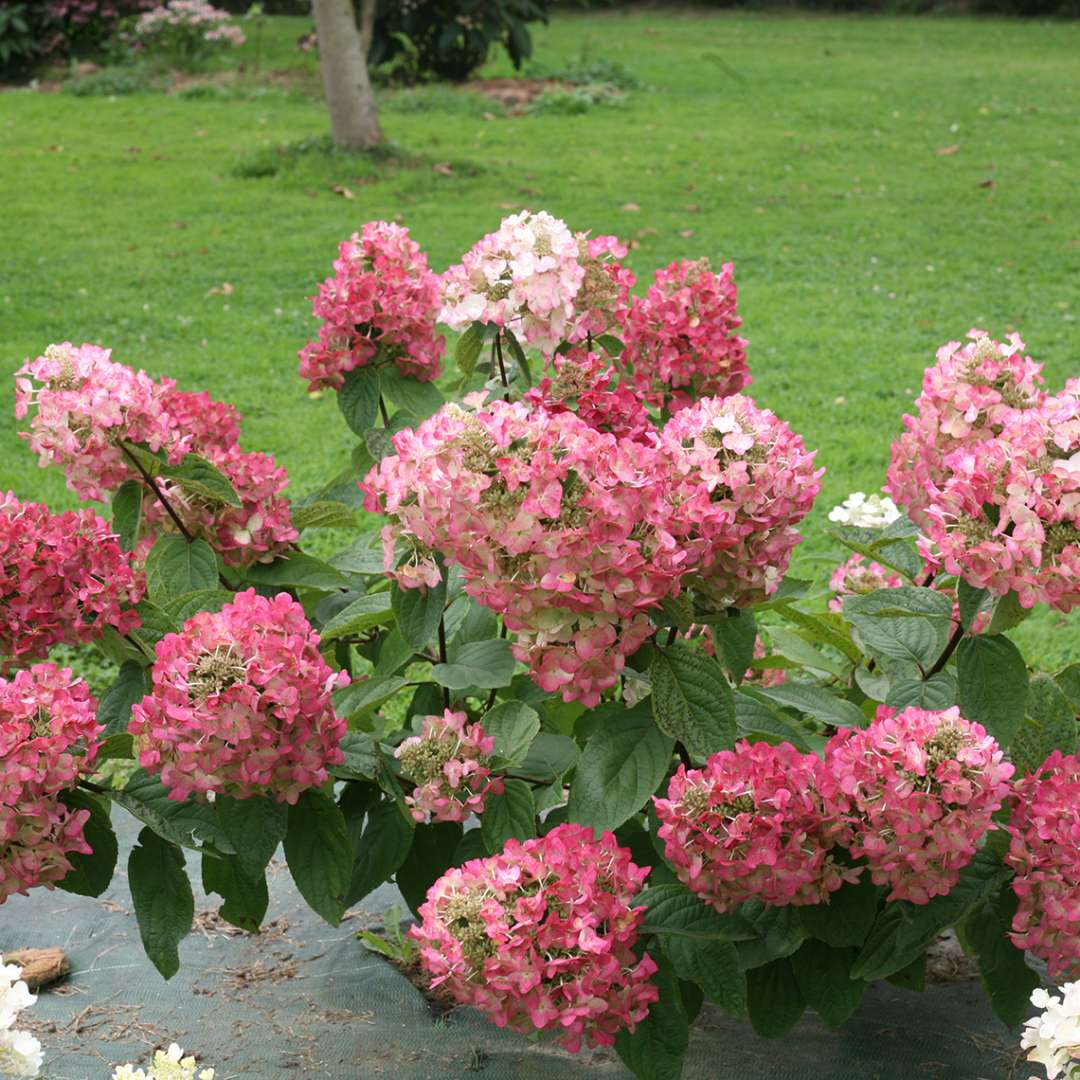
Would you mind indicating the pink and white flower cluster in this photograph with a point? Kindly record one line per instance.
(63, 578)
(187, 19)
(1044, 850)
(741, 480)
(680, 340)
(524, 277)
(753, 824)
(604, 295)
(85, 407)
(542, 937)
(917, 790)
(558, 527)
(912, 795)
(49, 737)
(240, 704)
(990, 468)
(87, 415)
(381, 302)
(573, 534)
(857, 576)
(450, 764)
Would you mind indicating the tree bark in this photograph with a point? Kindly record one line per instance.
(354, 120)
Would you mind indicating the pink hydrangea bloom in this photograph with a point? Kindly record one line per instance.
(856, 576)
(680, 340)
(1007, 516)
(83, 406)
(558, 527)
(258, 530)
(752, 824)
(604, 295)
(525, 277)
(449, 762)
(382, 296)
(1044, 850)
(240, 704)
(63, 577)
(766, 676)
(581, 382)
(975, 391)
(542, 937)
(918, 789)
(208, 425)
(741, 480)
(49, 737)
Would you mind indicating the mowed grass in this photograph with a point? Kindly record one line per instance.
(881, 185)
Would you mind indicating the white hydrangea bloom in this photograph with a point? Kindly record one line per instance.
(14, 995)
(865, 511)
(168, 1064)
(20, 1054)
(1052, 1039)
(128, 1072)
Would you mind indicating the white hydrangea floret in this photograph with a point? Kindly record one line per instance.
(20, 1052)
(1052, 1039)
(865, 511)
(169, 1064)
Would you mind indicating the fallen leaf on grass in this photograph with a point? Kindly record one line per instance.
(443, 168)
(991, 183)
(340, 189)
(686, 233)
(945, 151)
(630, 207)
(224, 289)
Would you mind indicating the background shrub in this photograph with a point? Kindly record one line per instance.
(451, 38)
(34, 32)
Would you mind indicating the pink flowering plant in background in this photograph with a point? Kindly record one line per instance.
(186, 31)
(549, 673)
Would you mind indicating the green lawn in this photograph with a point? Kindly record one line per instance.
(881, 184)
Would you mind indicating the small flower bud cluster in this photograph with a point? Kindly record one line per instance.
(541, 937)
(240, 704)
(857, 576)
(450, 764)
(49, 737)
(381, 300)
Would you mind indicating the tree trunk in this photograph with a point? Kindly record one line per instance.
(354, 121)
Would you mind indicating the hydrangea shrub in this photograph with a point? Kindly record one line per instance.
(557, 683)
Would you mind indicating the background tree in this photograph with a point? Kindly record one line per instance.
(354, 119)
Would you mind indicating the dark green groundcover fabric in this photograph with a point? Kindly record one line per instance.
(303, 1001)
